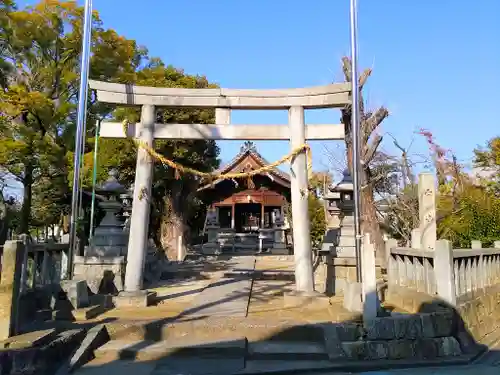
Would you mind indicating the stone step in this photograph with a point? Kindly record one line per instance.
(283, 367)
(282, 350)
(149, 350)
(224, 328)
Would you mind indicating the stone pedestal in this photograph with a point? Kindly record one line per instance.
(279, 246)
(211, 246)
(346, 246)
(104, 274)
(266, 239)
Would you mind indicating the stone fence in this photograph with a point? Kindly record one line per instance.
(466, 279)
(28, 270)
(43, 264)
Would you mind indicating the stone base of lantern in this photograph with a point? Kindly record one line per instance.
(104, 275)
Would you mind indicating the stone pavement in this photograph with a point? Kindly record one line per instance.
(228, 296)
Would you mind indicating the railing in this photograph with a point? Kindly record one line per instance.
(475, 269)
(413, 269)
(455, 275)
(43, 264)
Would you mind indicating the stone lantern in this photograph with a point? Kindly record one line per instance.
(339, 202)
(127, 199)
(109, 237)
(346, 246)
(103, 263)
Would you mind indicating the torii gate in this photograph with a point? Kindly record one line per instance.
(223, 100)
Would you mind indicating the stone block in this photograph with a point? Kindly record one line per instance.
(352, 297)
(104, 300)
(380, 328)
(88, 312)
(96, 337)
(407, 326)
(439, 324)
(426, 348)
(333, 342)
(28, 340)
(132, 299)
(300, 299)
(448, 346)
(377, 350)
(401, 349)
(348, 331)
(356, 350)
(76, 293)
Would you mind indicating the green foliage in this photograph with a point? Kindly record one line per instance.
(39, 73)
(317, 218)
(471, 214)
(316, 209)
(319, 182)
(489, 157)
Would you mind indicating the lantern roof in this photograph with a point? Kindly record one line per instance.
(111, 185)
(346, 184)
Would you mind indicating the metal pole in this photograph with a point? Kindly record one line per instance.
(355, 135)
(82, 99)
(94, 179)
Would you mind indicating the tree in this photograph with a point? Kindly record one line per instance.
(370, 141)
(174, 200)
(489, 158)
(319, 182)
(40, 91)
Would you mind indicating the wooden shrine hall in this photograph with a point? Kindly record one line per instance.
(243, 210)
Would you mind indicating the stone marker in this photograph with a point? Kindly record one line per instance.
(12, 261)
(427, 210)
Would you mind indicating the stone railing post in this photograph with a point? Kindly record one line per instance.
(476, 244)
(390, 244)
(496, 245)
(24, 266)
(12, 265)
(45, 271)
(443, 272)
(304, 279)
(369, 280)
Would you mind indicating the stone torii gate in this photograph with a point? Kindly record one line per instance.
(223, 100)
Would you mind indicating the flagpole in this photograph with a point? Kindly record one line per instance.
(80, 130)
(355, 135)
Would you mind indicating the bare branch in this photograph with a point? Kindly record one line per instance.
(370, 150)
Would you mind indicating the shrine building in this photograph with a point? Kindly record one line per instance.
(247, 208)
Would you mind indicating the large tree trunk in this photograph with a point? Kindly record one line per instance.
(24, 224)
(368, 123)
(173, 224)
(370, 221)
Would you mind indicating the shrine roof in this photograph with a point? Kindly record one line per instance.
(246, 150)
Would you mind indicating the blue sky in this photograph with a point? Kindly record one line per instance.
(435, 63)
